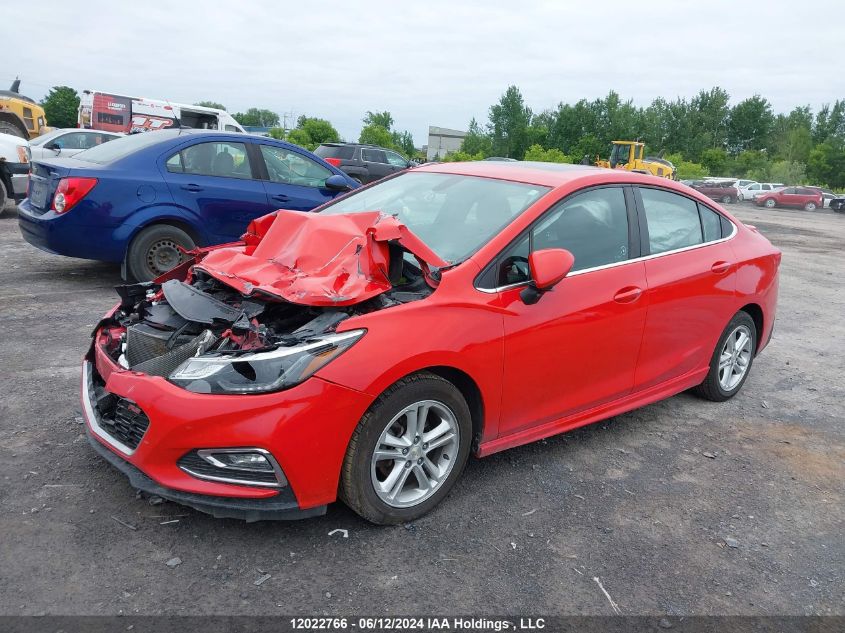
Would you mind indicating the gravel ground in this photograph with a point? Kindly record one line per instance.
(682, 507)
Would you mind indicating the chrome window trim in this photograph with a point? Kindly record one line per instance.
(206, 454)
(92, 418)
(622, 263)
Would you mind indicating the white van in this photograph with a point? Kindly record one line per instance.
(119, 113)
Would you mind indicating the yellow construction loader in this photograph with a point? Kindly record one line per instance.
(629, 155)
(19, 115)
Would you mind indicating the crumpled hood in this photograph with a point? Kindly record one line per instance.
(317, 260)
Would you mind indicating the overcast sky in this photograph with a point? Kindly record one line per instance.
(428, 62)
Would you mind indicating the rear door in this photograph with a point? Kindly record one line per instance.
(292, 180)
(216, 183)
(375, 160)
(691, 274)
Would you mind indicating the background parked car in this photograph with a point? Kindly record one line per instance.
(717, 190)
(838, 203)
(140, 199)
(364, 163)
(68, 142)
(802, 197)
(14, 168)
(749, 191)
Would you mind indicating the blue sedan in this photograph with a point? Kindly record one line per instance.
(139, 200)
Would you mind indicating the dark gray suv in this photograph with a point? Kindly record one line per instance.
(364, 163)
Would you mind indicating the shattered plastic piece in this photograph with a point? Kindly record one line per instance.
(261, 579)
(195, 305)
(174, 562)
(315, 260)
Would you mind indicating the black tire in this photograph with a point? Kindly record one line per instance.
(810, 206)
(4, 196)
(711, 388)
(726, 199)
(152, 248)
(356, 486)
(11, 128)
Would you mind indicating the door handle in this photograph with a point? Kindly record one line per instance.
(629, 294)
(281, 197)
(192, 187)
(720, 268)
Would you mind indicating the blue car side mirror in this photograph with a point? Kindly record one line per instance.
(337, 183)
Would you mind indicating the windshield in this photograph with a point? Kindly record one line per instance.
(119, 147)
(454, 215)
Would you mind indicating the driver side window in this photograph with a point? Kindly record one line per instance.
(290, 168)
(593, 226)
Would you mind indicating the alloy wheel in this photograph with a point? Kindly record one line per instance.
(735, 358)
(415, 453)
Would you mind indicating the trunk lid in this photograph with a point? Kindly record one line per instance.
(44, 179)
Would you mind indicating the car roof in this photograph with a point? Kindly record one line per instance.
(537, 173)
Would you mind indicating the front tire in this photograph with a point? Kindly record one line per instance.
(726, 199)
(4, 197)
(10, 128)
(155, 250)
(407, 451)
(770, 203)
(731, 361)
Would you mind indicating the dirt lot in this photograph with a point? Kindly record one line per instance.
(683, 507)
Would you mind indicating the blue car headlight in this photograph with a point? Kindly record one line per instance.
(261, 372)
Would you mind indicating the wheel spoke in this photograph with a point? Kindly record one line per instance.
(383, 455)
(422, 478)
(396, 442)
(741, 341)
(387, 485)
(400, 482)
(433, 470)
(436, 432)
(440, 441)
(725, 361)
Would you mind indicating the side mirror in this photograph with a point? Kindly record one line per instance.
(336, 182)
(54, 146)
(548, 267)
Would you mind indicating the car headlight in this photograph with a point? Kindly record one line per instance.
(261, 372)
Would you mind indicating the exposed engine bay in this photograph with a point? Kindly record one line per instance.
(217, 332)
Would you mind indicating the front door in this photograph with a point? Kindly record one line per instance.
(577, 347)
(294, 181)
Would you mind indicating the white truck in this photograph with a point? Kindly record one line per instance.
(14, 168)
(118, 113)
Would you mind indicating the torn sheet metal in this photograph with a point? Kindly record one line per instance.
(316, 260)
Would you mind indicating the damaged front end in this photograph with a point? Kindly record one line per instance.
(263, 316)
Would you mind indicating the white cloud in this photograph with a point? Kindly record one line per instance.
(432, 62)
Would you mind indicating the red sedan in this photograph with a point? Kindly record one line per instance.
(364, 351)
(801, 197)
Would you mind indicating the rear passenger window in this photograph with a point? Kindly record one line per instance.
(711, 223)
(673, 220)
(373, 156)
(228, 160)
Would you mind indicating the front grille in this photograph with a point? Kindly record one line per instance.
(197, 466)
(119, 418)
(127, 423)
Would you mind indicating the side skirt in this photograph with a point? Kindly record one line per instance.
(596, 414)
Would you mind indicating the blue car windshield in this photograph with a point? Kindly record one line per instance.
(453, 214)
(121, 147)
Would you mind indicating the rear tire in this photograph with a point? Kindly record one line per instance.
(386, 428)
(4, 196)
(154, 251)
(10, 128)
(731, 361)
(726, 199)
(810, 206)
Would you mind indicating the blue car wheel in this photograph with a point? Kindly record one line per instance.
(155, 250)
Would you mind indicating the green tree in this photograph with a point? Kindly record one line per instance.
(383, 119)
(716, 160)
(300, 137)
(257, 117)
(61, 107)
(750, 124)
(553, 155)
(750, 161)
(687, 170)
(403, 142)
(374, 134)
(509, 121)
(461, 156)
(211, 104)
(826, 165)
(277, 133)
(476, 141)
